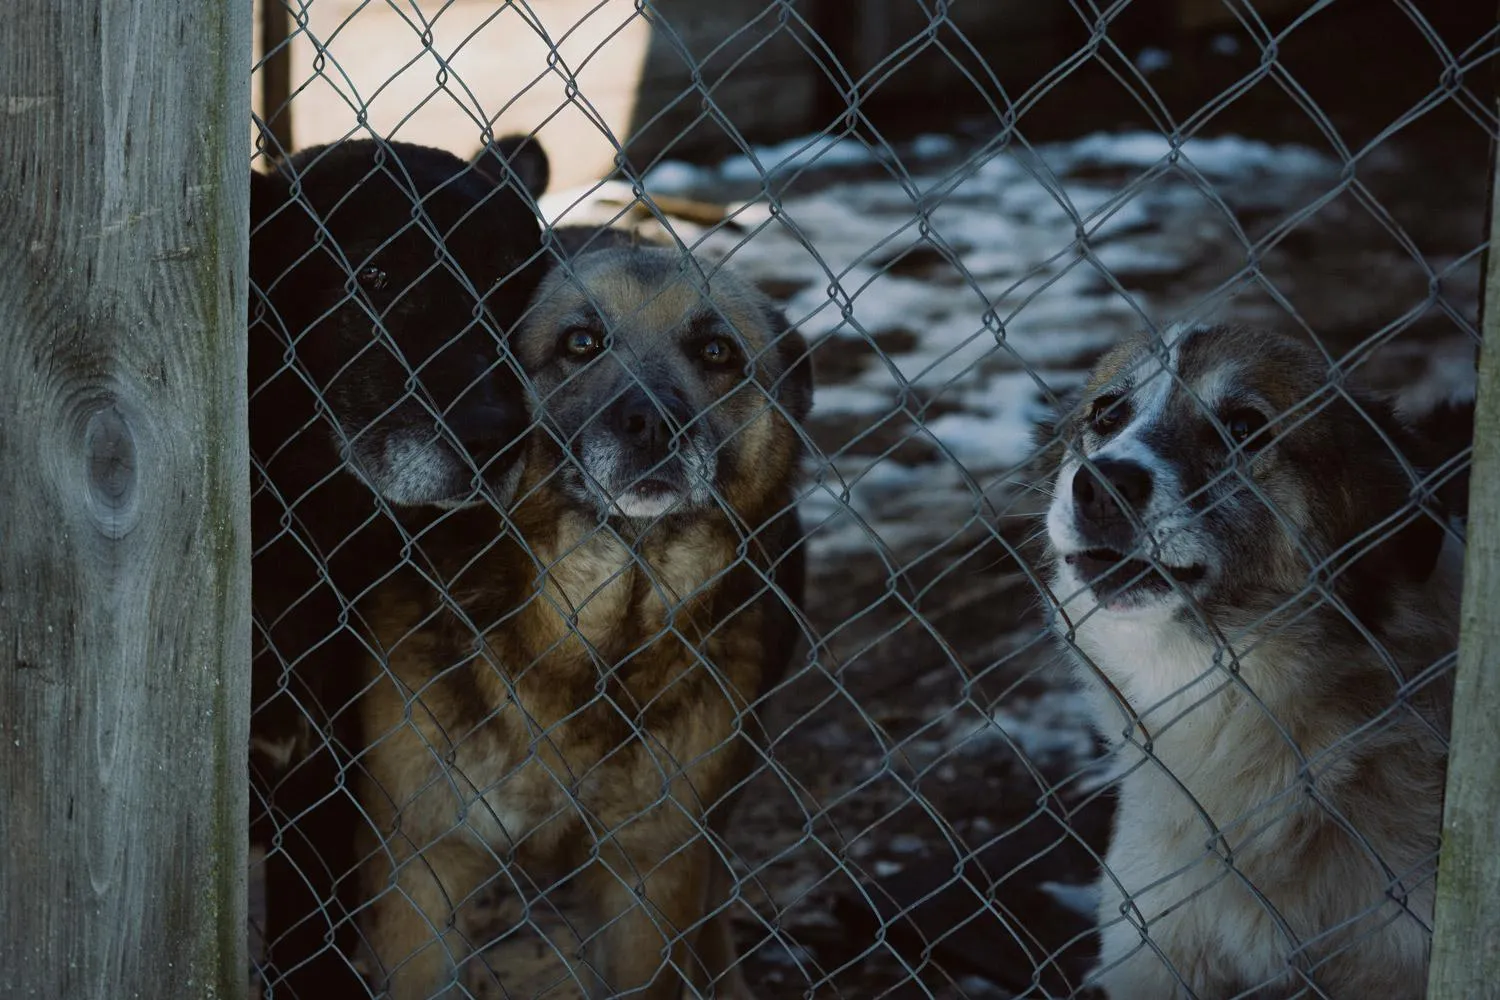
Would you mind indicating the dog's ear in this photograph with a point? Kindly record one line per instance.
(1445, 431)
(794, 387)
(518, 159)
(1408, 555)
(267, 193)
(1411, 552)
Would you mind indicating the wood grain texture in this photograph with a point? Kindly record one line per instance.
(124, 564)
(1466, 942)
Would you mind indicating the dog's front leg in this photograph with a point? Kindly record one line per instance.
(716, 948)
(651, 894)
(412, 921)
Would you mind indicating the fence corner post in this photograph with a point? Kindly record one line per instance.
(1466, 933)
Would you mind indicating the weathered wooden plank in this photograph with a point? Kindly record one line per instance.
(1466, 942)
(124, 566)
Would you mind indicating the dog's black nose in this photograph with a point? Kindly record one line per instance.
(647, 422)
(1095, 502)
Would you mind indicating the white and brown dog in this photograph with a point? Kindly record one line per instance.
(1265, 616)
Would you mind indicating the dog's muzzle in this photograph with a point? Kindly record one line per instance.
(1109, 501)
(640, 458)
(648, 427)
(1097, 495)
(412, 460)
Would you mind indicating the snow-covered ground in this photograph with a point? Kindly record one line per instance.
(950, 293)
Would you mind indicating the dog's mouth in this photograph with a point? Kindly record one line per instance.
(648, 498)
(1121, 582)
(624, 483)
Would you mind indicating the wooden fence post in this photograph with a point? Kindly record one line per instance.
(1466, 940)
(124, 562)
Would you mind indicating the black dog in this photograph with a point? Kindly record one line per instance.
(385, 277)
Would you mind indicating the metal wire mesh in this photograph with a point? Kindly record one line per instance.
(589, 662)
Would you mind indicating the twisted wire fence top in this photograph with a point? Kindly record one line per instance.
(957, 209)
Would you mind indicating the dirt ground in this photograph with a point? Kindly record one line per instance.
(928, 819)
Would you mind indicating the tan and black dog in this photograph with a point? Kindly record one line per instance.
(567, 692)
(1265, 608)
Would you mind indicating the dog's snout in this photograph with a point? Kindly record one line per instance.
(640, 423)
(1095, 501)
(648, 422)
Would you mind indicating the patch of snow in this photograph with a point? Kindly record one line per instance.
(1153, 60)
(997, 428)
(1450, 378)
(999, 170)
(1130, 258)
(855, 505)
(816, 151)
(907, 843)
(1224, 45)
(1050, 729)
(983, 440)
(864, 301)
(862, 490)
(675, 176)
(888, 476)
(1219, 156)
(998, 431)
(1055, 725)
(820, 150)
(847, 398)
(930, 147)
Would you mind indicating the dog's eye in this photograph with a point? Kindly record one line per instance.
(1243, 423)
(373, 278)
(1107, 413)
(716, 351)
(581, 343)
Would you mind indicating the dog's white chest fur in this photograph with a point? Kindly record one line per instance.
(1161, 671)
(1229, 851)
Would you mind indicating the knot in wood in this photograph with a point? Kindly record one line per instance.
(109, 447)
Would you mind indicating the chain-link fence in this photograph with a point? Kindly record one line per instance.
(671, 596)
